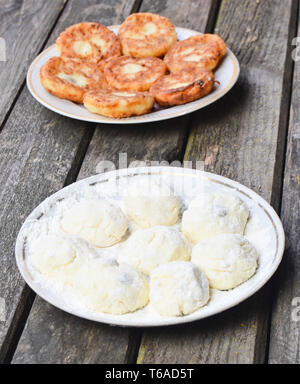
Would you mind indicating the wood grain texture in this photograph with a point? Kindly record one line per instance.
(73, 340)
(40, 152)
(24, 26)
(206, 341)
(285, 320)
(163, 141)
(199, 15)
(241, 137)
(37, 152)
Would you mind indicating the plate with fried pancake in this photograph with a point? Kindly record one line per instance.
(225, 76)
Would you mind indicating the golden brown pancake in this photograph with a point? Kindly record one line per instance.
(200, 51)
(70, 79)
(91, 42)
(118, 104)
(182, 87)
(146, 35)
(134, 74)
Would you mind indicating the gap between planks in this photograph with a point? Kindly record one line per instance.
(277, 198)
(134, 336)
(23, 309)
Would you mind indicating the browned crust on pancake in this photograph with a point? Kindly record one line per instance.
(147, 44)
(210, 49)
(152, 69)
(64, 89)
(197, 84)
(86, 32)
(111, 104)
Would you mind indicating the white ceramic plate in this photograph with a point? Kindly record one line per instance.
(227, 74)
(264, 230)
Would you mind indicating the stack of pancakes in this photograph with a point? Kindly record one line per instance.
(124, 75)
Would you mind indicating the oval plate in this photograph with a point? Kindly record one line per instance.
(227, 74)
(264, 230)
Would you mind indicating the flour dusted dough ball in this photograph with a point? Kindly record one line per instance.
(54, 256)
(109, 287)
(211, 214)
(96, 221)
(150, 203)
(228, 260)
(178, 288)
(148, 248)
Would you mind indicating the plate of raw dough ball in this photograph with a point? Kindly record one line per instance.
(142, 71)
(150, 246)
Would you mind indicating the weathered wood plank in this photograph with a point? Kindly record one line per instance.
(204, 342)
(39, 153)
(24, 27)
(74, 340)
(242, 137)
(198, 15)
(147, 142)
(285, 319)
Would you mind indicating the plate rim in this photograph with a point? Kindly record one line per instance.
(135, 119)
(104, 318)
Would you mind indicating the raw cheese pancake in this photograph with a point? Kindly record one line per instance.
(118, 104)
(228, 260)
(134, 74)
(200, 51)
(182, 87)
(146, 34)
(91, 42)
(178, 288)
(69, 79)
(106, 286)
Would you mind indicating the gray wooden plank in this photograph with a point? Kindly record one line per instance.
(37, 152)
(24, 26)
(198, 15)
(40, 152)
(74, 340)
(242, 137)
(163, 141)
(285, 319)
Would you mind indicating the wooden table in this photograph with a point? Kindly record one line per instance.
(252, 135)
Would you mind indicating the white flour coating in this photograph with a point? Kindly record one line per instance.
(86, 276)
(228, 260)
(148, 248)
(109, 287)
(51, 253)
(95, 220)
(211, 214)
(59, 256)
(150, 204)
(178, 288)
(259, 231)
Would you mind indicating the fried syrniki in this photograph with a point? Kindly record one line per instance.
(182, 87)
(70, 79)
(91, 42)
(118, 104)
(146, 34)
(199, 51)
(134, 74)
